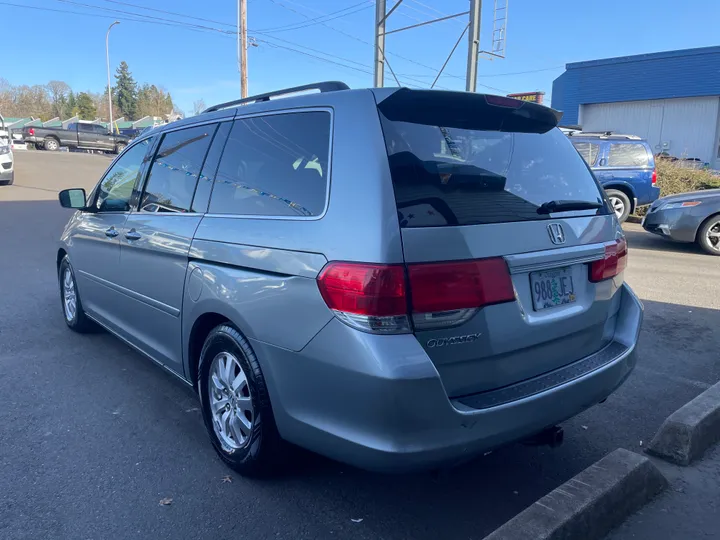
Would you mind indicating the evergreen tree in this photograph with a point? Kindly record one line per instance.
(86, 106)
(72, 103)
(125, 91)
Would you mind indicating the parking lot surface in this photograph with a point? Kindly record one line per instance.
(93, 435)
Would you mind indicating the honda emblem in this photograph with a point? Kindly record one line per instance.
(557, 235)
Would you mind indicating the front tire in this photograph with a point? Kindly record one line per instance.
(709, 235)
(73, 311)
(236, 405)
(51, 144)
(619, 203)
(120, 147)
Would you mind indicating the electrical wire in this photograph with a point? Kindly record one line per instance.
(317, 20)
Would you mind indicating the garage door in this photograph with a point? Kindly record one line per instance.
(684, 127)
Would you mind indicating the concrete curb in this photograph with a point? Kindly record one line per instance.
(591, 504)
(689, 431)
(634, 219)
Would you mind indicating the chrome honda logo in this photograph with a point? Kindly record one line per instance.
(557, 235)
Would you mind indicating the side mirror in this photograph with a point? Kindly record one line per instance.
(72, 198)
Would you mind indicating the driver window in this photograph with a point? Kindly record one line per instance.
(115, 190)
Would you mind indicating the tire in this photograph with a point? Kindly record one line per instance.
(709, 235)
(74, 318)
(254, 450)
(120, 147)
(619, 203)
(51, 144)
(8, 182)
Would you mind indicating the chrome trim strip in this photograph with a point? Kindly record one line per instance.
(175, 312)
(545, 260)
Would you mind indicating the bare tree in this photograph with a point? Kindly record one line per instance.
(58, 93)
(199, 106)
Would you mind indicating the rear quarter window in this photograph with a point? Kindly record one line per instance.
(627, 155)
(275, 165)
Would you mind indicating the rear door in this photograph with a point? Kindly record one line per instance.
(155, 241)
(499, 283)
(630, 164)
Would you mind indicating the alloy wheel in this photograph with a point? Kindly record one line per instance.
(618, 206)
(713, 236)
(231, 405)
(69, 295)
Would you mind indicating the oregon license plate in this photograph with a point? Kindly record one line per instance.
(552, 288)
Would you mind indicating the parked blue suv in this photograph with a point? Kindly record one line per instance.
(623, 164)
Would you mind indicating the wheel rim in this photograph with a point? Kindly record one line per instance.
(51, 145)
(69, 295)
(618, 206)
(231, 405)
(713, 236)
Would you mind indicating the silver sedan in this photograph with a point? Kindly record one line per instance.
(688, 217)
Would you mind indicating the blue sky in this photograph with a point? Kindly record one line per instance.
(201, 63)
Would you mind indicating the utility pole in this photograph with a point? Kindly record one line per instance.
(107, 59)
(242, 46)
(473, 45)
(379, 78)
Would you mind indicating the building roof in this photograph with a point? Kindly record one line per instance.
(662, 75)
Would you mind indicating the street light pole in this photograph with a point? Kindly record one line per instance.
(107, 58)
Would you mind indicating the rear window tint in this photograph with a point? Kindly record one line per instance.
(447, 176)
(588, 151)
(627, 155)
(275, 165)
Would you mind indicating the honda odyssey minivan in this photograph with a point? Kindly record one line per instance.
(394, 278)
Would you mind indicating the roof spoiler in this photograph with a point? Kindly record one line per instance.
(467, 110)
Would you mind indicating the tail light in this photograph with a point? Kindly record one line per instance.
(381, 299)
(612, 264)
(654, 177)
(31, 131)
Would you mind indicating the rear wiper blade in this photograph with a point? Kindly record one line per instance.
(565, 206)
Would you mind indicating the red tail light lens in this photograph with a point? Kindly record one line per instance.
(449, 286)
(654, 177)
(614, 262)
(364, 289)
(374, 297)
(31, 131)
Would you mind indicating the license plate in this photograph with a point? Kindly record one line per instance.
(552, 288)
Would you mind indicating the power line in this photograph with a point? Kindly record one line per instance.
(316, 20)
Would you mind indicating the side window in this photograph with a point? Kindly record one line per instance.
(275, 165)
(588, 151)
(115, 190)
(97, 128)
(87, 128)
(627, 155)
(175, 170)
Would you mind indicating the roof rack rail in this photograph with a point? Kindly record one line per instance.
(326, 86)
(601, 134)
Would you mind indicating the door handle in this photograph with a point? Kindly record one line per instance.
(111, 232)
(132, 234)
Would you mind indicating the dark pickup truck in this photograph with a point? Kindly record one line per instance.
(77, 135)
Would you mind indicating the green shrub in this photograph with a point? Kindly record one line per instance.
(673, 179)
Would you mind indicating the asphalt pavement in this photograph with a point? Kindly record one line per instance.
(93, 436)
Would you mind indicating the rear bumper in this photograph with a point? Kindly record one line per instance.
(377, 402)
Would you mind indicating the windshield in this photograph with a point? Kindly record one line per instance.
(450, 176)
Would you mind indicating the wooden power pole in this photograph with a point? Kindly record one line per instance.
(242, 46)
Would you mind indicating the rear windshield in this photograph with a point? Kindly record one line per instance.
(449, 176)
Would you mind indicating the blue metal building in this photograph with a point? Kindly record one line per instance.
(670, 98)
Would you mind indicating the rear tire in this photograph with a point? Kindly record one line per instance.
(236, 405)
(73, 311)
(51, 144)
(709, 235)
(619, 203)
